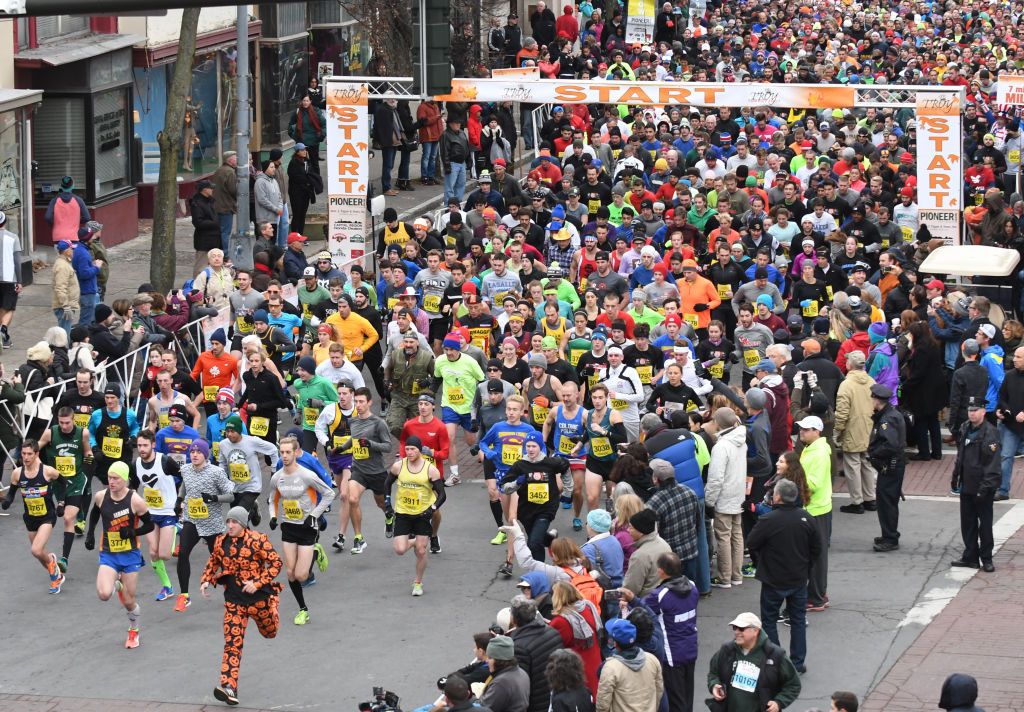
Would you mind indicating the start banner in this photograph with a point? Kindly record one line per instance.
(939, 169)
(348, 169)
(640, 21)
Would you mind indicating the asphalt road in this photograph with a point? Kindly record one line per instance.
(367, 630)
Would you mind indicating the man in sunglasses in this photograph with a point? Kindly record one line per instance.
(751, 668)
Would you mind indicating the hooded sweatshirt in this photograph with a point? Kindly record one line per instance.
(992, 360)
(882, 364)
(959, 693)
(860, 341)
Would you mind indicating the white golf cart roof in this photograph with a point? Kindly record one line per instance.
(970, 261)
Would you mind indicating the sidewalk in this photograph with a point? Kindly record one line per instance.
(931, 478)
(978, 633)
(33, 703)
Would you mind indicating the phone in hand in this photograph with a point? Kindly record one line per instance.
(613, 595)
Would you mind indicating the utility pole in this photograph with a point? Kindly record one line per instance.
(241, 243)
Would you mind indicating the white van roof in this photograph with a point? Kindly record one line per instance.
(971, 260)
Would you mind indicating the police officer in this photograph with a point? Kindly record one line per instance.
(885, 452)
(977, 474)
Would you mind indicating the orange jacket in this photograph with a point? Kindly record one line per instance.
(699, 291)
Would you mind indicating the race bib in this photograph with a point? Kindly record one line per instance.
(510, 454)
(537, 493)
(154, 497)
(691, 319)
(583, 284)
(197, 508)
(723, 291)
(309, 416)
(292, 510)
(35, 506)
(410, 498)
(908, 234)
(1014, 155)
(65, 465)
(210, 393)
(455, 395)
(885, 243)
(81, 419)
(540, 413)
(361, 453)
(432, 303)
(593, 206)
(260, 427)
(216, 451)
(751, 358)
(117, 545)
(112, 447)
(619, 404)
(717, 370)
(242, 325)
(601, 447)
(745, 676)
(163, 420)
(239, 472)
(811, 310)
(392, 302)
(574, 355)
(646, 374)
(340, 441)
(565, 445)
(828, 291)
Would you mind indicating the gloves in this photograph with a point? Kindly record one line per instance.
(429, 452)
(474, 427)
(805, 303)
(273, 523)
(89, 459)
(67, 314)
(700, 307)
(90, 542)
(423, 383)
(59, 509)
(363, 442)
(125, 533)
(473, 450)
(314, 321)
(315, 403)
(209, 498)
(321, 523)
(5, 504)
(509, 487)
(872, 248)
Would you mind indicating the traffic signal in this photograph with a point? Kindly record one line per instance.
(431, 28)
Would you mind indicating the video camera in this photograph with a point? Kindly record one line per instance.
(383, 701)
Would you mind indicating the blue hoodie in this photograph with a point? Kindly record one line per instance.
(992, 360)
(85, 270)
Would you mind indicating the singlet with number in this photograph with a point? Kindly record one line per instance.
(112, 436)
(67, 451)
(338, 432)
(117, 515)
(415, 493)
(600, 445)
(156, 487)
(537, 411)
(566, 430)
(557, 331)
(163, 407)
(36, 493)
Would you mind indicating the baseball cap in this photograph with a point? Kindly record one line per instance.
(309, 272)
(747, 620)
(811, 422)
(296, 237)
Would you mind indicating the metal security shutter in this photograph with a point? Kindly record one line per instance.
(59, 140)
(325, 12)
(48, 28)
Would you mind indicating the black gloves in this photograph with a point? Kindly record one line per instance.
(90, 542)
(315, 403)
(126, 533)
(363, 442)
(700, 307)
(273, 523)
(209, 498)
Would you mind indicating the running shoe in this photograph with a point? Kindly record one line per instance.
(164, 593)
(566, 502)
(389, 526)
(320, 556)
(505, 569)
(358, 545)
(339, 543)
(738, 582)
(816, 607)
(7, 340)
(499, 538)
(119, 589)
(435, 545)
(226, 694)
(56, 584)
(310, 581)
(62, 564)
(80, 528)
(183, 602)
(417, 588)
(52, 568)
(133, 639)
(719, 583)
(749, 570)
(302, 617)
(577, 524)
(453, 480)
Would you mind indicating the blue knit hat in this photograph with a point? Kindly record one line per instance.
(767, 300)
(219, 336)
(878, 332)
(535, 437)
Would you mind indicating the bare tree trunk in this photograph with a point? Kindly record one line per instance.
(162, 258)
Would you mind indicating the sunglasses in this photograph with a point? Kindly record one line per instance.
(738, 628)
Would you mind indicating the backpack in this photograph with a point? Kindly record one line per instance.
(584, 583)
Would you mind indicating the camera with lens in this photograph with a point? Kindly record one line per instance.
(383, 701)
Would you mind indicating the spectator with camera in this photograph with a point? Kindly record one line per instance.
(534, 642)
(509, 687)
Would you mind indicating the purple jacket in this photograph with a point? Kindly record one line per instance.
(674, 605)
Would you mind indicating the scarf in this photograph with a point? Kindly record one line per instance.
(311, 115)
(582, 634)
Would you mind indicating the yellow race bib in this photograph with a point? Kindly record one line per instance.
(432, 303)
(35, 506)
(309, 416)
(811, 310)
(340, 441)
(292, 510)
(260, 427)
(601, 447)
(112, 447)
(723, 291)
(65, 465)
(510, 454)
(540, 413)
(455, 395)
(717, 370)
(242, 325)
(537, 493)
(117, 545)
(691, 319)
(574, 355)
(646, 374)
(409, 498)
(361, 453)
(81, 419)
(751, 358)
(1014, 155)
(197, 508)
(216, 451)
(163, 420)
(154, 498)
(239, 472)
(565, 445)
(619, 404)
(210, 393)
(908, 234)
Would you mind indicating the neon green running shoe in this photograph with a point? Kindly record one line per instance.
(302, 617)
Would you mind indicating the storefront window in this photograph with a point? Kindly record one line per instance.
(201, 114)
(110, 140)
(10, 169)
(59, 144)
(284, 78)
(344, 49)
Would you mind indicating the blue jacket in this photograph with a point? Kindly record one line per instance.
(774, 276)
(992, 360)
(612, 557)
(682, 453)
(85, 270)
(950, 335)
(674, 605)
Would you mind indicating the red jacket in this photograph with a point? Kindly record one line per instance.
(858, 342)
(566, 26)
(591, 656)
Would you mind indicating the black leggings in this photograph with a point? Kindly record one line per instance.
(189, 538)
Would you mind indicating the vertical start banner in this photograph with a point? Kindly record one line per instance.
(939, 169)
(640, 15)
(348, 170)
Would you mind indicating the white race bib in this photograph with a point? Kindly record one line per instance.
(745, 677)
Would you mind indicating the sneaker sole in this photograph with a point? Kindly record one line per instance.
(222, 696)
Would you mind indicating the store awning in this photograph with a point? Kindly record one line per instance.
(74, 50)
(146, 56)
(11, 99)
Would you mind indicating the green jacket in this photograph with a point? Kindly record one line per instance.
(778, 682)
(816, 460)
(319, 388)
